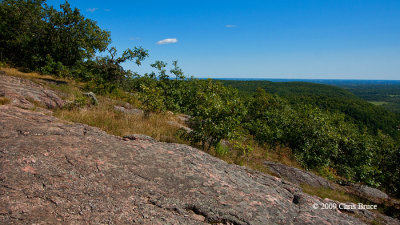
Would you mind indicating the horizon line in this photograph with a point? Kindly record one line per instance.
(269, 78)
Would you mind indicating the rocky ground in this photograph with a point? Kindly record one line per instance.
(25, 93)
(55, 172)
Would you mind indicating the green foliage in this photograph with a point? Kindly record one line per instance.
(387, 159)
(328, 172)
(151, 98)
(221, 150)
(305, 130)
(100, 86)
(39, 37)
(241, 148)
(157, 91)
(109, 69)
(330, 98)
(173, 89)
(216, 111)
(388, 94)
(247, 88)
(177, 71)
(55, 68)
(320, 139)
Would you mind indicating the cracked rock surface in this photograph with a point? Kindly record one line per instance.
(54, 172)
(23, 93)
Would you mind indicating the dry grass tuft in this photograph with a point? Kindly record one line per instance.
(68, 92)
(4, 101)
(323, 193)
(46, 80)
(117, 123)
(16, 73)
(256, 158)
(283, 155)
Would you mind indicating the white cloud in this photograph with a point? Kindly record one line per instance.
(230, 26)
(92, 10)
(134, 38)
(167, 41)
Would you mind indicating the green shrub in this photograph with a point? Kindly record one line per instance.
(318, 139)
(221, 149)
(151, 99)
(100, 86)
(54, 68)
(216, 112)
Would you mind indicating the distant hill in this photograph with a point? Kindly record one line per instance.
(384, 93)
(331, 98)
(290, 88)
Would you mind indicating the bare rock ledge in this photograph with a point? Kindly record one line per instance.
(54, 172)
(24, 93)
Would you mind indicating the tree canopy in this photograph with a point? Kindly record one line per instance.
(39, 37)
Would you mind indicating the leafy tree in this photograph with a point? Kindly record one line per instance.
(22, 30)
(177, 71)
(172, 88)
(162, 72)
(318, 138)
(151, 98)
(387, 158)
(330, 98)
(72, 37)
(109, 69)
(34, 35)
(217, 111)
(267, 116)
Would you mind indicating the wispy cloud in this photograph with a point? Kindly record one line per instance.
(134, 38)
(230, 26)
(167, 41)
(107, 10)
(92, 10)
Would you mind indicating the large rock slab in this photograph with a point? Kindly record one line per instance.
(369, 193)
(131, 111)
(25, 93)
(298, 176)
(56, 172)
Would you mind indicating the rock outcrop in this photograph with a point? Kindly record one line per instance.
(131, 111)
(25, 93)
(369, 193)
(58, 172)
(92, 97)
(298, 176)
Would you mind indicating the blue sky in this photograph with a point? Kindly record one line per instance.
(323, 39)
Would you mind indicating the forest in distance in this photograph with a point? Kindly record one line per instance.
(372, 103)
(385, 93)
